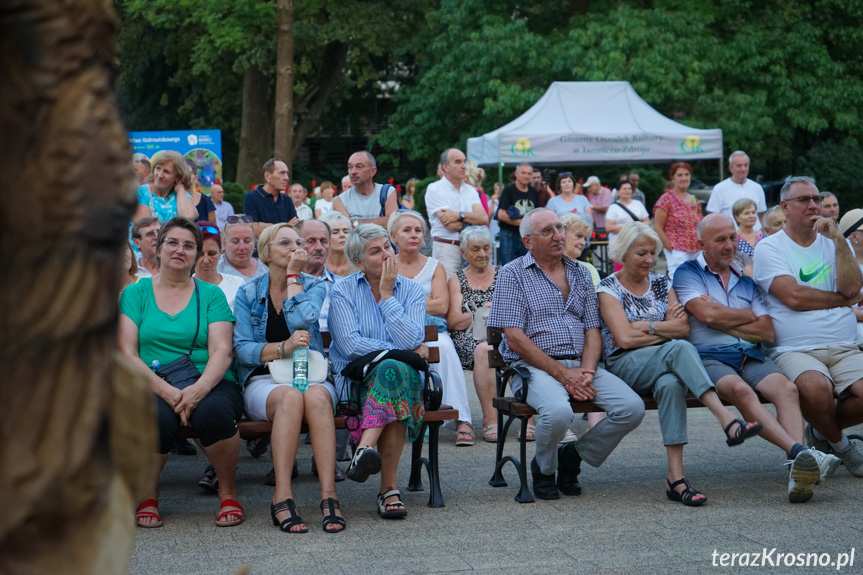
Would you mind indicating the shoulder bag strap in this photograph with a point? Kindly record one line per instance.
(631, 215)
(384, 188)
(197, 315)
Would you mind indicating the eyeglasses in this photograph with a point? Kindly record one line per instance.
(239, 218)
(175, 245)
(209, 229)
(806, 199)
(289, 243)
(549, 231)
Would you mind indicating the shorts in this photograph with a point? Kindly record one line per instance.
(753, 371)
(841, 364)
(259, 388)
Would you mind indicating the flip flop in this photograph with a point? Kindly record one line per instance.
(464, 438)
(489, 433)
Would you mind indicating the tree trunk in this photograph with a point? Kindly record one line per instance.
(284, 132)
(78, 427)
(319, 92)
(255, 129)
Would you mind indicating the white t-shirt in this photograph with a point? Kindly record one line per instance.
(442, 194)
(815, 267)
(620, 217)
(323, 205)
(304, 212)
(726, 192)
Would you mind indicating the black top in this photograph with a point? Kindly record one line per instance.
(204, 207)
(277, 330)
(259, 206)
(524, 201)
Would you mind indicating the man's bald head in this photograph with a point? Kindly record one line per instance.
(717, 236)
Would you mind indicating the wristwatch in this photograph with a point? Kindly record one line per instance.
(461, 216)
(652, 329)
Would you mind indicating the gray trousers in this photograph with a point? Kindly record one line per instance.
(550, 399)
(664, 371)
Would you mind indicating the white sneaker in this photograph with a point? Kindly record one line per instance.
(568, 438)
(821, 445)
(853, 460)
(827, 463)
(802, 476)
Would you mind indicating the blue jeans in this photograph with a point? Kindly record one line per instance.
(511, 246)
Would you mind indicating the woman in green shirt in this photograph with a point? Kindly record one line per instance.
(165, 317)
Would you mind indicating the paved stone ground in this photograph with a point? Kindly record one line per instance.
(622, 523)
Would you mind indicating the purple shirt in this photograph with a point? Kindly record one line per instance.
(603, 198)
(526, 298)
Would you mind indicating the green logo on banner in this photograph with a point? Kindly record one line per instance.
(521, 148)
(691, 145)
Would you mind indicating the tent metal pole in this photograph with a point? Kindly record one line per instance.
(500, 174)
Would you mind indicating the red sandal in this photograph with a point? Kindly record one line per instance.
(238, 511)
(148, 514)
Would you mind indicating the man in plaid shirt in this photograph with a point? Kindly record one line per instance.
(546, 306)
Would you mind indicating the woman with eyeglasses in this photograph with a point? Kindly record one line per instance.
(164, 319)
(239, 235)
(205, 269)
(677, 214)
(567, 201)
(276, 314)
(644, 339)
(340, 228)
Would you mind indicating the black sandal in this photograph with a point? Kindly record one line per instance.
(289, 522)
(689, 496)
(744, 431)
(331, 518)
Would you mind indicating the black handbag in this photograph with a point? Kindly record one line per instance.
(356, 370)
(181, 373)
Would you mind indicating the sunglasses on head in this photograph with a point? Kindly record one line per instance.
(209, 228)
(239, 218)
(560, 175)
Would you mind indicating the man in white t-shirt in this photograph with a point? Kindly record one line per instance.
(452, 204)
(366, 202)
(810, 279)
(738, 186)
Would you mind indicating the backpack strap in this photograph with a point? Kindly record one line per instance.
(384, 188)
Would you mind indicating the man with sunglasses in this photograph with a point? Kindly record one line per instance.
(810, 279)
(545, 305)
(268, 203)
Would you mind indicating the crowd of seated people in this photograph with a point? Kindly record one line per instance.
(207, 314)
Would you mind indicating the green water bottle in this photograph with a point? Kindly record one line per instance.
(301, 368)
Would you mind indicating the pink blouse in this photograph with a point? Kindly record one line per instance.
(682, 220)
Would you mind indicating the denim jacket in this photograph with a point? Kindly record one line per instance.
(250, 329)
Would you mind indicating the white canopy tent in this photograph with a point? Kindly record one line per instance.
(593, 123)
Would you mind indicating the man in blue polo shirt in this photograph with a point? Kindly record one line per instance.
(728, 321)
(267, 204)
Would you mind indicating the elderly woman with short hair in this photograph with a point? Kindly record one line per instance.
(373, 310)
(578, 232)
(166, 193)
(276, 314)
(407, 231)
(644, 331)
(472, 289)
(239, 244)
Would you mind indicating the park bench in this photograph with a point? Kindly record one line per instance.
(512, 408)
(432, 421)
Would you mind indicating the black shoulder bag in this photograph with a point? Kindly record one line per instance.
(181, 373)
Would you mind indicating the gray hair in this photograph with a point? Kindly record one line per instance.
(525, 227)
(228, 226)
(475, 234)
(355, 247)
(627, 236)
(735, 154)
(825, 194)
(396, 217)
(369, 157)
(783, 193)
(333, 217)
(518, 167)
(444, 157)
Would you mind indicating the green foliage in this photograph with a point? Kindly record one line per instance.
(234, 195)
(420, 195)
(832, 164)
(778, 77)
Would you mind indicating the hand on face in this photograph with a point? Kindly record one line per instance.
(389, 271)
